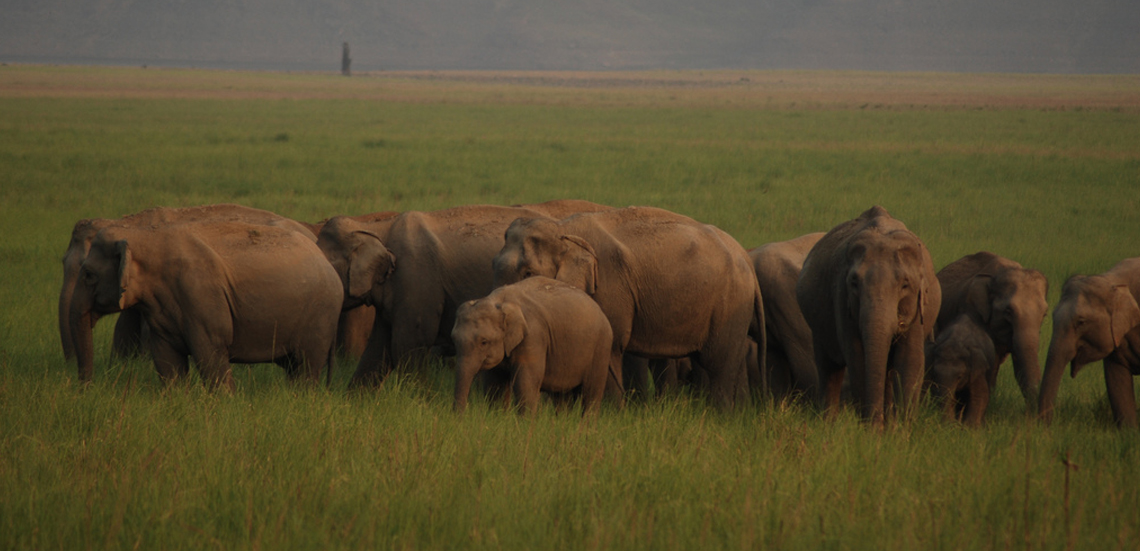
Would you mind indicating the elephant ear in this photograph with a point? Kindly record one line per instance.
(514, 327)
(580, 264)
(370, 264)
(124, 253)
(979, 299)
(1125, 313)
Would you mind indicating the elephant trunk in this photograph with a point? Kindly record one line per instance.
(1026, 368)
(66, 295)
(81, 323)
(466, 367)
(1062, 350)
(878, 328)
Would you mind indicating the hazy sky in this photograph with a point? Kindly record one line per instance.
(1062, 36)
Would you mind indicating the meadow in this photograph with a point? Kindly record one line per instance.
(1042, 169)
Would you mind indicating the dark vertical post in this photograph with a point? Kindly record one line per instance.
(345, 62)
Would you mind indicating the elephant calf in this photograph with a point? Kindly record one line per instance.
(957, 364)
(552, 336)
(1098, 319)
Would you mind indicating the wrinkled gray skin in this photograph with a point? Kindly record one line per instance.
(1008, 301)
(670, 286)
(870, 296)
(415, 269)
(546, 335)
(129, 327)
(957, 367)
(791, 366)
(218, 292)
(1097, 318)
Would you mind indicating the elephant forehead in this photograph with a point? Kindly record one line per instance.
(1086, 290)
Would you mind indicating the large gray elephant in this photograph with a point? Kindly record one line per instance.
(791, 367)
(1007, 300)
(218, 292)
(547, 335)
(957, 366)
(671, 287)
(415, 269)
(1097, 318)
(869, 293)
(129, 326)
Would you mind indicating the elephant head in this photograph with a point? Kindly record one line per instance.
(537, 246)
(359, 258)
(77, 249)
(486, 332)
(1089, 322)
(888, 296)
(105, 286)
(1011, 306)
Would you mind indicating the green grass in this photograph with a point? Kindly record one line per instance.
(126, 463)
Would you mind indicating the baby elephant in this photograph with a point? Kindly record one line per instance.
(552, 336)
(956, 367)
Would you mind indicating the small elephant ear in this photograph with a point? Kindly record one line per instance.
(1125, 313)
(582, 268)
(124, 253)
(370, 264)
(514, 327)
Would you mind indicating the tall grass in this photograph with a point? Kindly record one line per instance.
(127, 463)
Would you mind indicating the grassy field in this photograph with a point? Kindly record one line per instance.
(1042, 169)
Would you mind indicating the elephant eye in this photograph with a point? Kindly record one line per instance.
(88, 276)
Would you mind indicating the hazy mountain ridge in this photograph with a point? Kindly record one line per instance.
(970, 35)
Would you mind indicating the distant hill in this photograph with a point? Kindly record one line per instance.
(1056, 36)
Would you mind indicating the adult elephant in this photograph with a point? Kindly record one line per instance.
(355, 324)
(670, 286)
(870, 296)
(129, 327)
(1097, 318)
(1008, 301)
(415, 269)
(791, 366)
(218, 292)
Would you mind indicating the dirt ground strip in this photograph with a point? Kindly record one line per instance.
(740, 89)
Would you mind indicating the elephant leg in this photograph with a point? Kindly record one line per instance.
(979, 400)
(528, 387)
(316, 352)
(127, 341)
(728, 378)
(950, 399)
(413, 335)
(635, 376)
(665, 375)
(214, 367)
(831, 377)
(1121, 395)
(780, 382)
(172, 365)
(374, 363)
(615, 389)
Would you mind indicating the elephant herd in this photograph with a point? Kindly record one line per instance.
(577, 299)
